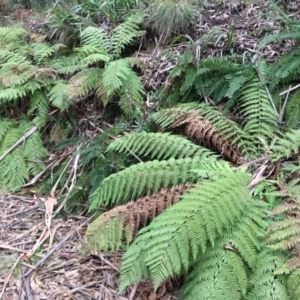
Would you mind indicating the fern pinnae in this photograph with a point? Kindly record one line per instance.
(221, 272)
(149, 177)
(264, 283)
(158, 252)
(95, 37)
(158, 145)
(293, 284)
(125, 33)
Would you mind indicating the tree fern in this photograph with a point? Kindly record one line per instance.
(158, 145)
(170, 244)
(149, 177)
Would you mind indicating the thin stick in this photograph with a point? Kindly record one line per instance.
(284, 105)
(265, 86)
(109, 263)
(133, 291)
(290, 89)
(21, 140)
(7, 277)
(27, 287)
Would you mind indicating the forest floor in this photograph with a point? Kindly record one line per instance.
(40, 256)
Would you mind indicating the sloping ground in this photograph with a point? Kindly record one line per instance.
(56, 269)
(31, 268)
(247, 21)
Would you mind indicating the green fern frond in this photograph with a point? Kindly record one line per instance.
(94, 58)
(158, 146)
(221, 272)
(265, 284)
(15, 74)
(96, 37)
(170, 243)
(286, 146)
(295, 35)
(236, 83)
(224, 65)
(10, 35)
(42, 51)
(60, 96)
(131, 96)
(293, 284)
(11, 94)
(146, 178)
(292, 112)
(85, 81)
(13, 170)
(260, 117)
(125, 33)
(5, 125)
(113, 77)
(67, 64)
(39, 107)
(34, 153)
(285, 69)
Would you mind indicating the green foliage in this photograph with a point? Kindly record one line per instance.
(260, 117)
(293, 284)
(152, 176)
(158, 145)
(170, 244)
(284, 147)
(23, 161)
(114, 10)
(222, 271)
(292, 112)
(264, 283)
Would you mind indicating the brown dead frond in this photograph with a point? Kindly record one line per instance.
(204, 133)
(135, 215)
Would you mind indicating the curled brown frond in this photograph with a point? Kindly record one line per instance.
(203, 132)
